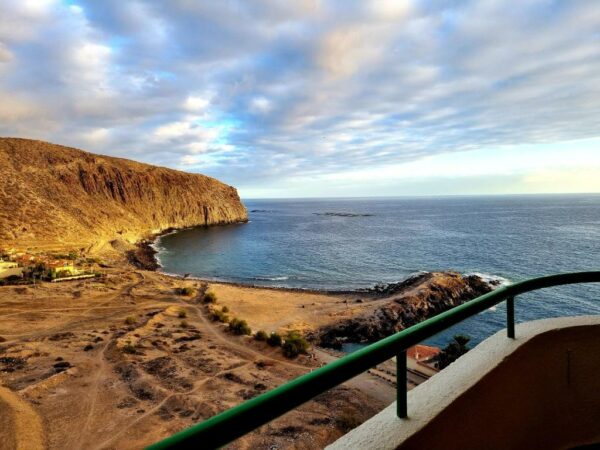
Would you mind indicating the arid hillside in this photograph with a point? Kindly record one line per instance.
(56, 196)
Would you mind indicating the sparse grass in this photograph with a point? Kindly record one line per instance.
(294, 344)
(130, 320)
(240, 327)
(261, 335)
(210, 297)
(274, 339)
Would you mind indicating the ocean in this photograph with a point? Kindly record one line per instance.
(350, 243)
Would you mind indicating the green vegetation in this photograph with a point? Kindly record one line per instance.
(182, 314)
(187, 291)
(219, 315)
(261, 335)
(72, 255)
(294, 344)
(130, 320)
(274, 339)
(210, 297)
(239, 326)
(454, 350)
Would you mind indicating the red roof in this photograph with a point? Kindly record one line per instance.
(422, 352)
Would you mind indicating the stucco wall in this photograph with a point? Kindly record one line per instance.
(540, 391)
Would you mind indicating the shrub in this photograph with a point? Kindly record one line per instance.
(239, 326)
(129, 348)
(454, 350)
(225, 309)
(261, 335)
(219, 315)
(184, 324)
(184, 291)
(210, 297)
(182, 314)
(294, 344)
(274, 339)
(347, 420)
(130, 320)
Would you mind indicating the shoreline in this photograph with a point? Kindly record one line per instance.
(146, 259)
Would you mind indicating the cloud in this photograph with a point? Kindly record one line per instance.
(268, 93)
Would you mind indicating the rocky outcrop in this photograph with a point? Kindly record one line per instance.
(407, 303)
(56, 195)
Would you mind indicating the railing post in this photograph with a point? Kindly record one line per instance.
(510, 317)
(401, 392)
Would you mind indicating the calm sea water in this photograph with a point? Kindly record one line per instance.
(355, 243)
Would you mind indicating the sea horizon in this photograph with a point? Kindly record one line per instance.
(366, 197)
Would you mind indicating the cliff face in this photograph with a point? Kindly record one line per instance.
(405, 304)
(52, 195)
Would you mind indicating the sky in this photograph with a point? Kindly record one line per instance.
(312, 98)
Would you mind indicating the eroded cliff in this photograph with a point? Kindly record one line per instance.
(56, 196)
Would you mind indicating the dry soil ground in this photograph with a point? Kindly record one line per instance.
(115, 364)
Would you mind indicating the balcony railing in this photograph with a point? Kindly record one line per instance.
(240, 420)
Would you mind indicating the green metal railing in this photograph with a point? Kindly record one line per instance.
(239, 420)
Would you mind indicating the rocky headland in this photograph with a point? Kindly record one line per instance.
(401, 305)
(56, 196)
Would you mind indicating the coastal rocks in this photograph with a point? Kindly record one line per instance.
(342, 214)
(63, 196)
(142, 256)
(409, 302)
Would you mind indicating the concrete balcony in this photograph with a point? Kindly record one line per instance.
(539, 391)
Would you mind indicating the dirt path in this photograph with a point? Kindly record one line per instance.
(28, 431)
(198, 385)
(246, 351)
(102, 373)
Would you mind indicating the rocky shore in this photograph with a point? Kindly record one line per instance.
(403, 304)
(143, 256)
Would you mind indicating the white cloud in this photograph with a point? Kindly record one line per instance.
(196, 103)
(272, 91)
(260, 105)
(5, 54)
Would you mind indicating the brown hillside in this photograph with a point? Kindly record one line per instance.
(55, 196)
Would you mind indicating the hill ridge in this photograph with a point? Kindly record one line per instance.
(58, 196)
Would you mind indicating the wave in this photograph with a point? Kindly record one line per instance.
(495, 280)
(280, 278)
